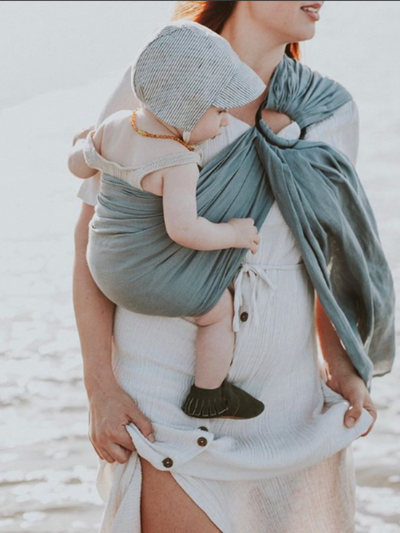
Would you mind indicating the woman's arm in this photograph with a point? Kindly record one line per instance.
(185, 227)
(110, 407)
(341, 130)
(93, 311)
(342, 375)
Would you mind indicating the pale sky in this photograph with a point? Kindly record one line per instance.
(47, 46)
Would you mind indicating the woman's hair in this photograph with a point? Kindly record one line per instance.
(214, 15)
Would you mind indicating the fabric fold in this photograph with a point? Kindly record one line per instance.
(321, 197)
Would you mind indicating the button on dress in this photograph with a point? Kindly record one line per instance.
(288, 470)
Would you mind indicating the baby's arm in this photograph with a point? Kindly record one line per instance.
(76, 160)
(186, 228)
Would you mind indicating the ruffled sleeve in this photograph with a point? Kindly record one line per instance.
(122, 98)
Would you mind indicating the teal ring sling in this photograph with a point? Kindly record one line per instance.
(137, 265)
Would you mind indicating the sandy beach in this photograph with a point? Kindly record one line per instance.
(47, 464)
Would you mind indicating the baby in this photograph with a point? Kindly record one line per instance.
(186, 78)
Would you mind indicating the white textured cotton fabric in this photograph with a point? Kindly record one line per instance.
(130, 175)
(288, 470)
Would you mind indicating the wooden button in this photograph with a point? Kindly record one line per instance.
(202, 441)
(168, 462)
(244, 316)
(203, 428)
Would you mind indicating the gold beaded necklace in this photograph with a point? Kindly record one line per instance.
(154, 136)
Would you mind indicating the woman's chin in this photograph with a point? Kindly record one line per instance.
(307, 33)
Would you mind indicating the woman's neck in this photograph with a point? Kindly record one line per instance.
(260, 52)
(263, 54)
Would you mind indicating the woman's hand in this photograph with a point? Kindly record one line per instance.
(110, 410)
(342, 376)
(349, 384)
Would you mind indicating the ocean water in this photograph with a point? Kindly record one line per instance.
(47, 465)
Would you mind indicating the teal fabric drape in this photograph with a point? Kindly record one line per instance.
(321, 198)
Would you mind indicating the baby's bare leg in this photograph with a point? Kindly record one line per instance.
(212, 395)
(215, 344)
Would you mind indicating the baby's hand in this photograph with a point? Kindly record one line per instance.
(246, 234)
(81, 135)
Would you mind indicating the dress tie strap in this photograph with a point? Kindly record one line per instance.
(253, 271)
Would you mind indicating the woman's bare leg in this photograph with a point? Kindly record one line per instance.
(167, 508)
(215, 344)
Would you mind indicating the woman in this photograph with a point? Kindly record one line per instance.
(277, 361)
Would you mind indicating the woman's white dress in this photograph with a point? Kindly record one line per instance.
(288, 470)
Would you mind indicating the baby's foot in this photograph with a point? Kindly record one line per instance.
(226, 401)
